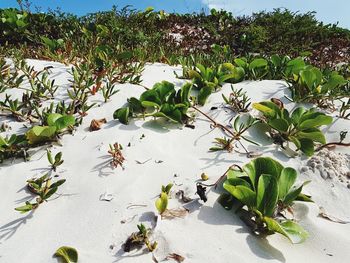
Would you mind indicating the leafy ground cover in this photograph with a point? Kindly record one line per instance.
(104, 50)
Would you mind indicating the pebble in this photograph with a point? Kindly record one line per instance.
(304, 169)
(324, 174)
(331, 173)
(319, 166)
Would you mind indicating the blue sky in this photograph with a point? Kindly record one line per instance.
(327, 11)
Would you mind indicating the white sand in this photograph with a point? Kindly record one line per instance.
(209, 233)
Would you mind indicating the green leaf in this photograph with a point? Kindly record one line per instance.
(58, 157)
(149, 104)
(151, 95)
(64, 121)
(51, 118)
(58, 183)
(185, 93)
(316, 122)
(262, 165)
(295, 233)
(258, 63)
(49, 156)
(304, 198)
(294, 66)
(203, 94)
(40, 134)
(162, 203)
(3, 141)
(164, 89)
(135, 105)
(309, 78)
(294, 193)
(314, 134)
(50, 193)
(192, 74)
(279, 124)
(307, 146)
(244, 194)
(286, 181)
(296, 115)
(67, 254)
(241, 62)
(25, 208)
(267, 194)
(122, 115)
(268, 108)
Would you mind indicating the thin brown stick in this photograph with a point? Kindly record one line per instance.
(332, 144)
(216, 124)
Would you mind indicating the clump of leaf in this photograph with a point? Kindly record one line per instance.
(344, 110)
(162, 101)
(56, 161)
(310, 84)
(238, 101)
(301, 127)
(208, 80)
(240, 125)
(222, 144)
(166, 188)
(262, 190)
(44, 188)
(138, 239)
(56, 123)
(13, 147)
(117, 156)
(67, 254)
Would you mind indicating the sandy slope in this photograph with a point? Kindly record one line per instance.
(208, 234)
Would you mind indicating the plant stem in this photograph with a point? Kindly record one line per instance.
(216, 124)
(332, 144)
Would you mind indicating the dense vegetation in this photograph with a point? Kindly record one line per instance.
(157, 36)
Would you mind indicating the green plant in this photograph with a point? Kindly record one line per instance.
(162, 202)
(266, 189)
(13, 107)
(56, 161)
(56, 123)
(310, 84)
(160, 101)
(139, 239)
(166, 188)
(344, 108)
(39, 81)
(301, 127)
(240, 125)
(238, 101)
(15, 146)
(67, 254)
(44, 188)
(208, 80)
(258, 68)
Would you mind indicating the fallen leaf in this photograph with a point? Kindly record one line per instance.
(180, 212)
(324, 215)
(95, 125)
(178, 258)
